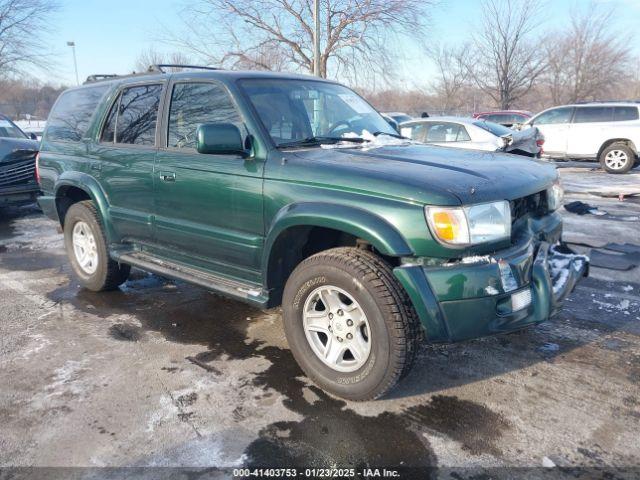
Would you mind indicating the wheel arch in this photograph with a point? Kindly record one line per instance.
(611, 141)
(301, 230)
(73, 187)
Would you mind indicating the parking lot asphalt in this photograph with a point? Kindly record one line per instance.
(161, 373)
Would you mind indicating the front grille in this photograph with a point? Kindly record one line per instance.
(534, 205)
(17, 173)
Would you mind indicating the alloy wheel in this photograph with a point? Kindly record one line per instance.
(337, 328)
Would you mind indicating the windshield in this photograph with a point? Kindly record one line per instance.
(496, 129)
(294, 111)
(9, 130)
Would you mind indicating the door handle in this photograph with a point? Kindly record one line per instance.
(168, 176)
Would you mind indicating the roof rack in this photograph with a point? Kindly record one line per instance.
(155, 68)
(159, 67)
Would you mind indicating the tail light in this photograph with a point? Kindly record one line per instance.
(38, 167)
(540, 143)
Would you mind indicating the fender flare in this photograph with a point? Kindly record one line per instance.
(352, 220)
(91, 187)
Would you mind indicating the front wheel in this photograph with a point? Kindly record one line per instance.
(617, 158)
(349, 323)
(86, 247)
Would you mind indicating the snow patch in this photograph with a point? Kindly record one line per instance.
(370, 141)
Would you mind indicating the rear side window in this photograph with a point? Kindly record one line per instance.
(133, 117)
(193, 104)
(593, 114)
(621, 114)
(71, 115)
(447, 132)
(557, 115)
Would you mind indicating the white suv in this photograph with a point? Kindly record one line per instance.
(608, 132)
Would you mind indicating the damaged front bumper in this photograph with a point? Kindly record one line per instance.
(525, 285)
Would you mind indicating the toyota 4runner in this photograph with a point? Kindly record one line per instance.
(290, 190)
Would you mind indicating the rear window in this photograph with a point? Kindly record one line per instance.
(621, 114)
(496, 129)
(71, 115)
(593, 114)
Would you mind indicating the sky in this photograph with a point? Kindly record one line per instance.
(109, 36)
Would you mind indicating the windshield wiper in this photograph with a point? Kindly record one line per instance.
(394, 135)
(312, 141)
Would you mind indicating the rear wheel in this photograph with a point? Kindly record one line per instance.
(86, 247)
(617, 158)
(349, 323)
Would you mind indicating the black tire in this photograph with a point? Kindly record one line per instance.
(394, 325)
(608, 165)
(109, 274)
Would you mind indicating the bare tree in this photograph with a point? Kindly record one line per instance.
(23, 26)
(452, 75)
(590, 59)
(506, 62)
(151, 57)
(278, 34)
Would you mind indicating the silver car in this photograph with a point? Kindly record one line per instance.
(474, 134)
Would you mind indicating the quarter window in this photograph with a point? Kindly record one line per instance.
(193, 104)
(557, 115)
(621, 114)
(70, 118)
(593, 114)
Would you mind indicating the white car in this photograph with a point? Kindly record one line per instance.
(473, 134)
(608, 132)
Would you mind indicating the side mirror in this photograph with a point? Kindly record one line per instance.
(220, 139)
(33, 136)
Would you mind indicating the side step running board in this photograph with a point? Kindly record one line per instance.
(248, 292)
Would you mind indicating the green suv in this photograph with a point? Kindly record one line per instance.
(288, 190)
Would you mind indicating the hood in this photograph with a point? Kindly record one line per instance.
(17, 148)
(430, 174)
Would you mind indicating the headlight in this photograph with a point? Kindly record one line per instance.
(555, 196)
(485, 222)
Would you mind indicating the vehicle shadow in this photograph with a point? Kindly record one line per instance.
(190, 315)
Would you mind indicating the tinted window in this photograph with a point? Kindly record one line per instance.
(72, 113)
(109, 128)
(447, 132)
(193, 104)
(138, 114)
(557, 115)
(621, 114)
(496, 129)
(593, 114)
(506, 118)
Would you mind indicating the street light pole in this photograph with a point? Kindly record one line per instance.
(316, 38)
(75, 62)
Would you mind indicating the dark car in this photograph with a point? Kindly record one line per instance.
(18, 182)
(289, 190)
(508, 118)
